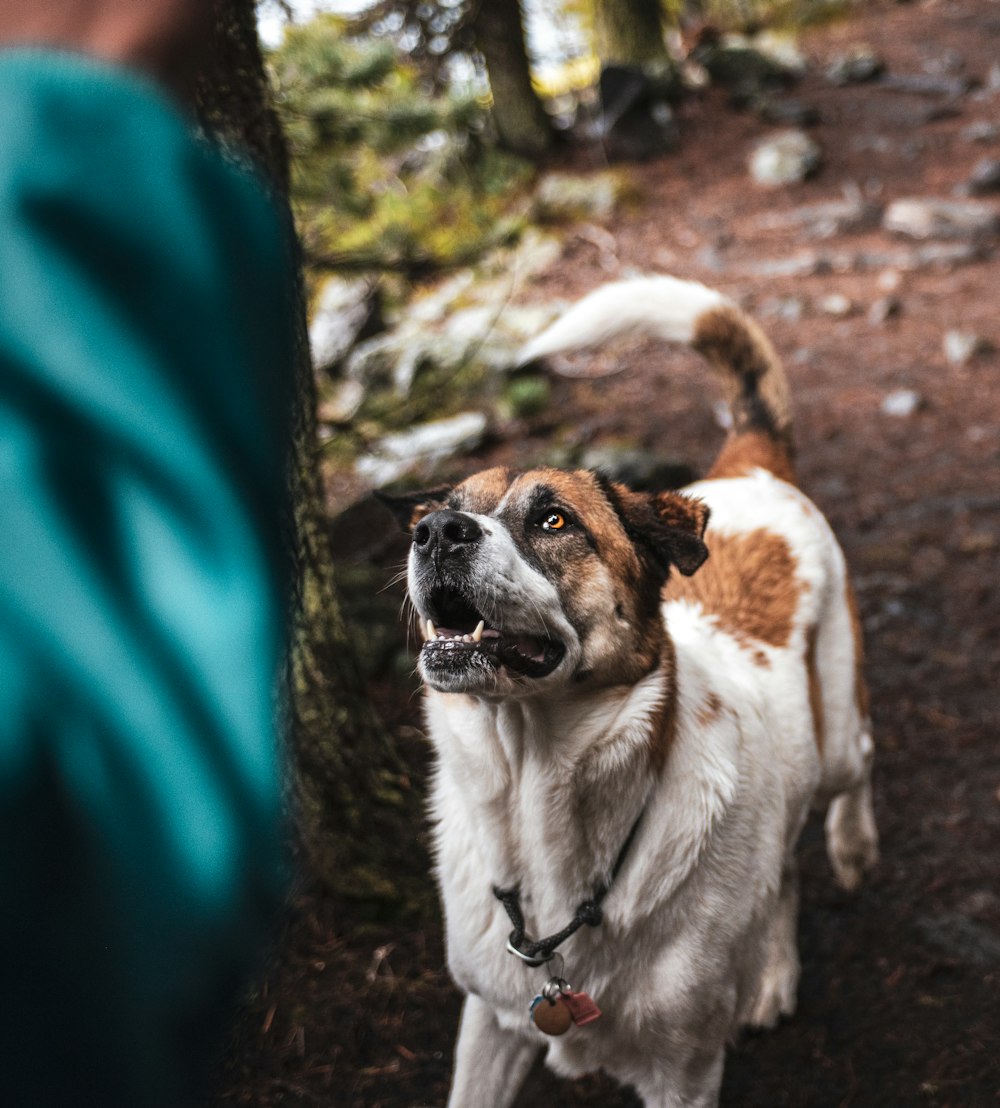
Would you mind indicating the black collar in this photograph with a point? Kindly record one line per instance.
(536, 952)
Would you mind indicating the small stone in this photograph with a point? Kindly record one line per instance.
(983, 130)
(836, 304)
(567, 196)
(889, 280)
(902, 403)
(978, 542)
(927, 218)
(985, 176)
(828, 218)
(785, 159)
(788, 308)
(856, 65)
(960, 347)
(885, 308)
(805, 264)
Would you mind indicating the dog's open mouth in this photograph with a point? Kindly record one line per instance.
(459, 634)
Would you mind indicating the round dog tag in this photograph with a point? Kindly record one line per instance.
(552, 1017)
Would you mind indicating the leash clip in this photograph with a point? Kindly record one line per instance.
(527, 959)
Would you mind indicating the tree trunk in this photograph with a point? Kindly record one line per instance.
(521, 123)
(630, 32)
(342, 764)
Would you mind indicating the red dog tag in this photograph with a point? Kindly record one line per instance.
(581, 1008)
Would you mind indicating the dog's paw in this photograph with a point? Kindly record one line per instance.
(777, 994)
(851, 840)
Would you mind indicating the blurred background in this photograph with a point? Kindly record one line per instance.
(458, 172)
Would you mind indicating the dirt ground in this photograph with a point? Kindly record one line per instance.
(900, 997)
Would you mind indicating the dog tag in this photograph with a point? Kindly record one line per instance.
(551, 1017)
(582, 1009)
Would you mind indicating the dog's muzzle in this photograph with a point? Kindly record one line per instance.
(459, 636)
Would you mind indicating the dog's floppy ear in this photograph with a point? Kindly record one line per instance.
(667, 526)
(410, 508)
(683, 520)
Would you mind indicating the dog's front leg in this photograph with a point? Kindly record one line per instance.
(490, 1062)
(691, 1080)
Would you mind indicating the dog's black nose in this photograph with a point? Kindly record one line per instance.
(441, 533)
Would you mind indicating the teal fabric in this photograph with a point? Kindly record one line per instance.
(144, 342)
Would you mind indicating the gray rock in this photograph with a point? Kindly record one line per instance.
(805, 264)
(985, 176)
(922, 84)
(568, 196)
(785, 159)
(902, 403)
(960, 347)
(983, 130)
(341, 312)
(931, 255)
(858, 64)
(421, 448)
(930, 217)
(836, 304)
(827, 219)
(788, 308)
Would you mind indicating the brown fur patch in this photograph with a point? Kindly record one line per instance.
(483, 491)
(747, 450)
(740, 351)
(665, 722)
(815, 691)
(748, 584)
(709, 711)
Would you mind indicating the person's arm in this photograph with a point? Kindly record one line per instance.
(144, 358)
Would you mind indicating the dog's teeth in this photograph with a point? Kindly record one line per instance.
(477, 635)
(431, 631)
(466, 638)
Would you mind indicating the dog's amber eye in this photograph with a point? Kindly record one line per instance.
(554, 521)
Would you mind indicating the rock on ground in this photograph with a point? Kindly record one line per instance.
(785, 159)
(933, 218)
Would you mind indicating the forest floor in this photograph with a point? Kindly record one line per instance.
(900, 997)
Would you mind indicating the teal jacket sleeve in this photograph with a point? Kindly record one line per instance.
(144, 361)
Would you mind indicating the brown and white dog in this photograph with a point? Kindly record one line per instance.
(634, 699)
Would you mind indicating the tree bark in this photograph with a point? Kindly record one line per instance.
(342, 763)
(630, 32)
(521, 122)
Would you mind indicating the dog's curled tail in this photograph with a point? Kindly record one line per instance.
(668, 308)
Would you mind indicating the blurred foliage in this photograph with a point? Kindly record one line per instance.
(389, 172)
